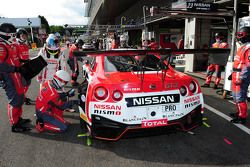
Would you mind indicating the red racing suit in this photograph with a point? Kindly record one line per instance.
(14, 89)
(215, 67)
(73, 63)
(50, 105)
(241, 79)
(23, 52)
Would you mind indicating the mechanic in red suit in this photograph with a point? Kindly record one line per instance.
(73, 64)
(23, 52)
(215, 67)
(10, 72)
(153, 44)
(52, 101)
(241, 76)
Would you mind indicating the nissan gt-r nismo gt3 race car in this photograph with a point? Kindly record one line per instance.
(135, 91)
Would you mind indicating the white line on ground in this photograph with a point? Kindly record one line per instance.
(245, 129)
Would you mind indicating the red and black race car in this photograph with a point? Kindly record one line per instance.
(133, 91)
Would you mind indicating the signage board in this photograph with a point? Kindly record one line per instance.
(244, 22)
(198, 6)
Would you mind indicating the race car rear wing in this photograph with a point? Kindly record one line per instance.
(160, 51)
(218, 55)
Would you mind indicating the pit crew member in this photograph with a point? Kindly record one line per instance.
(215, 67)
(73, 63)
(23, 52)
(52, 101)
(10, 73)
(53, 55)
(241, 76)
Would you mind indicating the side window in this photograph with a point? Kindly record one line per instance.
(124, 63)
(108, 65)
(150, 62)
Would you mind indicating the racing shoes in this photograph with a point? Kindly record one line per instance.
(205, 85)
(23, 121)
(239, 120)
(17, 128)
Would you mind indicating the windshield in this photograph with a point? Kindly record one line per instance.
(128, 63)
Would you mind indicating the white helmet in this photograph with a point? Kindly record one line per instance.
(52, 43)
(61, 78)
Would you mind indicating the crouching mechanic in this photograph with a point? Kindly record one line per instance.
(241, 76)
(52, 101)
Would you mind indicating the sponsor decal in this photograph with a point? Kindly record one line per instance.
(107, 109)
(171, 107)
(134, 119)
(152, 100)
(132, 89)
(154, 123)
(191, 99)
(107, 112)
(107, 106)
(171, 85)
(192, 104)
(174, 115)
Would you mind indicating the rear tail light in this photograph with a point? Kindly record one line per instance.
(101, 93)
(183, 90)
(117, 95)
(192, 87)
